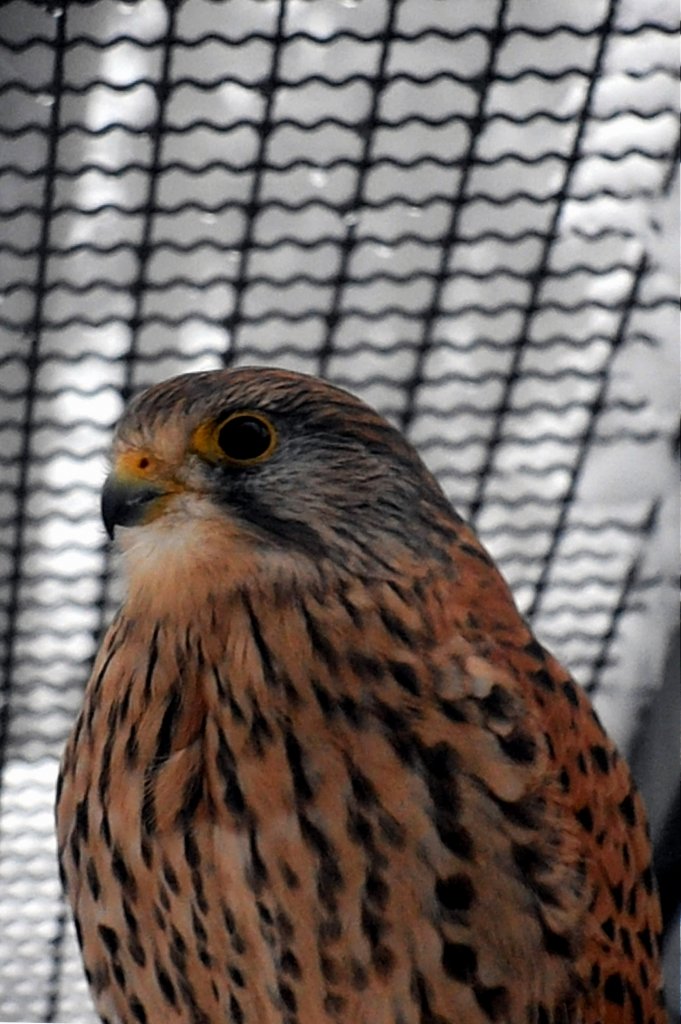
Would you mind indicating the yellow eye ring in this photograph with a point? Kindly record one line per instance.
(243, 438)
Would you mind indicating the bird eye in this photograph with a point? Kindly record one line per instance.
(246, 437)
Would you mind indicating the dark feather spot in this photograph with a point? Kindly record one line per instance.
(164, 736)
(81, 823)
(237, 1014)
(329, 881)
(365, 667)
(498, 703)
(645, 937)
(396, 628)
(585, 818)
(493, 1001)
(165, 984)
(330, 930)
(198, 929)
(260, 732)
(288, 996)
(290, 876)
(628, 810)
(326, 702)
(459, 961)
(329, 969)
(261, 647)
(237, 977)
(359, 979)
(636, 1005)
(191, 798)
(132, 747)
(372, 925)
(105, 829)
(527, 812)
(109, 938)
(258, 870)
(360, 830)
(318, 641)
(647, 878)
(613, 989)
(226, 765)
(440, 762)
(191, 851)
(632, 901)
(599, 756)
(334, 1003)
(353, 612)
(75, 849)
(528, 859)
(392, 831)
(294, 755)
(453, 710)
(455, 893)
(290, 965)
(377, 889)
(542, 678)
(351, 710)
(455, 837)
(93, 880)
(535, 650)
(138, 1011)
(171, 877)
(136, 951)
(122, 873)
(405, 676)
(130, 918)
(617, 892)
(383, 959)
(477, 553)
(570, 692)
(151, 663)
(554, 943)
(519, 747)
(362, 788)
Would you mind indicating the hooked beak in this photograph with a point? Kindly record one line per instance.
(127, 501)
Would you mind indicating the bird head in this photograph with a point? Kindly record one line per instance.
(269, 462)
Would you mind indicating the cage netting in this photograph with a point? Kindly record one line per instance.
(464, 212)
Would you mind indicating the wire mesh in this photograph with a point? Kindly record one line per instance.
(465, 213)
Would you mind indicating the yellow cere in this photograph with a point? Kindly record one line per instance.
(137, 465)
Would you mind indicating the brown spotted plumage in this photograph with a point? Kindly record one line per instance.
(323, 770)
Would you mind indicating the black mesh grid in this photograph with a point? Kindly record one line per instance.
(463, 212)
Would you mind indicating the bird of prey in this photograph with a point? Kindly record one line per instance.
(323, 771)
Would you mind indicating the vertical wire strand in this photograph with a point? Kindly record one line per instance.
(594, 409)
(349, 241)
(538, 277)
(268, 87)
(450, 237)
(34, 330)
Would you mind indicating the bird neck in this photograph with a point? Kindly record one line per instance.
(281, 624)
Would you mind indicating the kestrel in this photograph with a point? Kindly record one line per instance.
(323, 771)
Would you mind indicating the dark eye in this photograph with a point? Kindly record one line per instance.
(246, 437)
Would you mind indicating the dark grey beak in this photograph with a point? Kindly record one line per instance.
(126, 502)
